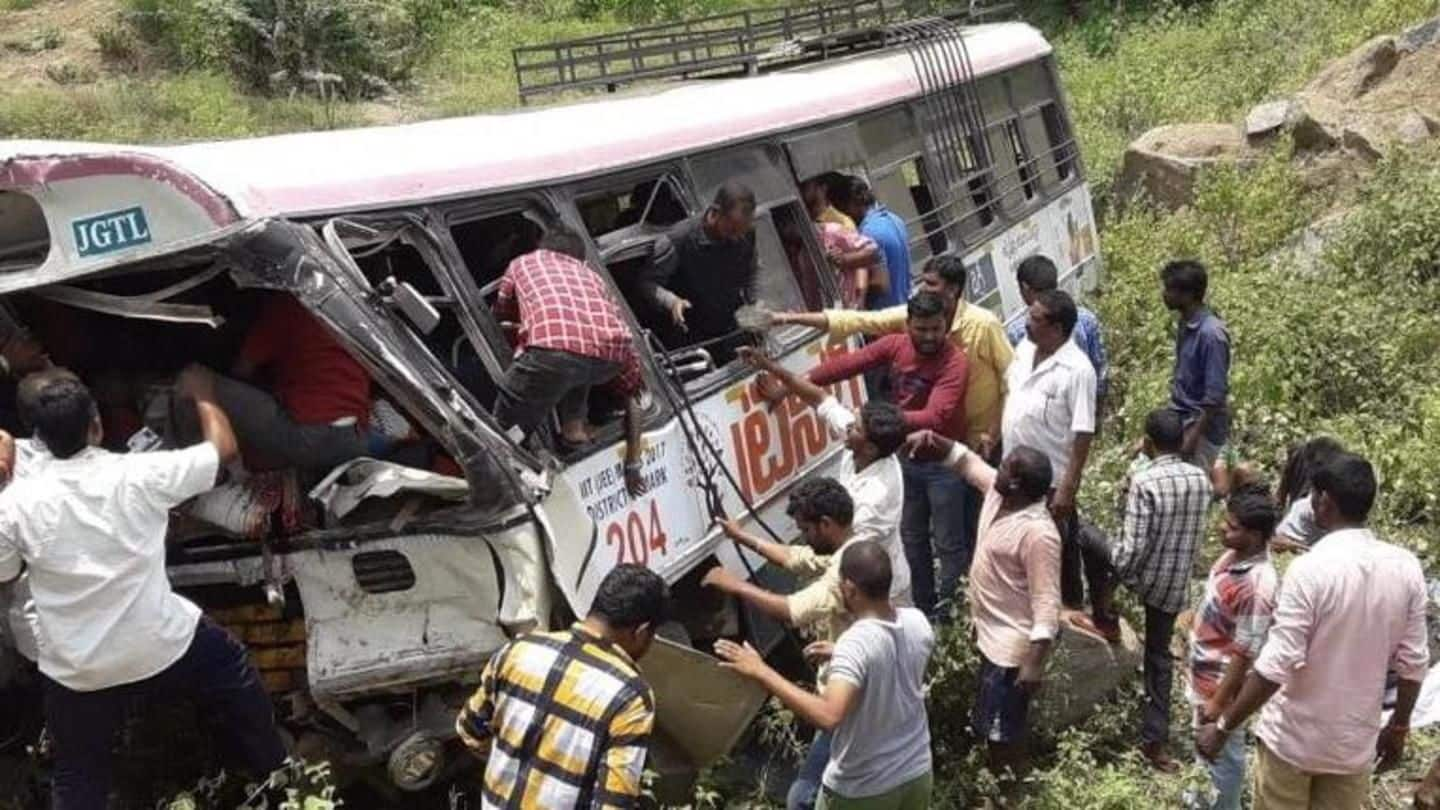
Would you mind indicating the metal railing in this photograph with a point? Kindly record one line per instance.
(740, 42)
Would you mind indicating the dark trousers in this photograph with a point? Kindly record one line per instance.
(264, 427)
(215, 672)
(1072, 568)
(541, 380)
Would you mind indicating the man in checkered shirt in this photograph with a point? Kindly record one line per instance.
(570, 336)
(1165, 515)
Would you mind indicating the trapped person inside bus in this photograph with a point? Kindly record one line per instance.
(564, 719)
(873, 703)
(314, 410)
(89, 527)
(869, 468)
(1014, 588)
(665, 209)
(854, 256)
(888, 231)
(570, 336)
(1200, 386)
(1036, 274)
(703, 269)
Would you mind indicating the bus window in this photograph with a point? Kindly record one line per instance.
(905, 189)
(889, 137)
(657, 200)
(752, 165)
(797, 251)
(489, 244)
(1014, 168)
(1057, 137)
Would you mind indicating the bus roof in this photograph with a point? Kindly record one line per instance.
(313, 173)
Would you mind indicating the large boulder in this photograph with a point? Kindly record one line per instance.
(1083, 671)
(1165, 162)
(1355, 74)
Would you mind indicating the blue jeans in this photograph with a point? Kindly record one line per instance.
(1227, 773)
(805, 790)
(934, 514)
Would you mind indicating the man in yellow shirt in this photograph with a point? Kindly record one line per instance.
(981, 335)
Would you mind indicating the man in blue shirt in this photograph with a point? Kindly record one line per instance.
(1037, 274)
(1200, 387)
(887, 229)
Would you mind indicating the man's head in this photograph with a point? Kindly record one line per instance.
(816, 196)
(1183, 284)
(1024, 476)
(855, 200)
(732, 214)
(1342, 491)
(561, 239)
(864, 576)
(946, 277)
(1250, 520)
(1035, 275)
(61, 410)
(631, 601)
(879, 431)
(926, 323)
(1051, 320)
(823, 511)
(1164, 432)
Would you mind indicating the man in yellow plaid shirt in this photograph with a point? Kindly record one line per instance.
(565, 718)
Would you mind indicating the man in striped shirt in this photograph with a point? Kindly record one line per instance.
(565, 718)
(1165, 512)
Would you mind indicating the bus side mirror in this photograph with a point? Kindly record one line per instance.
(402, 296)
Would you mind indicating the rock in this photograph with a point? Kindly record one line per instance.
(1351, 76)
(1318, 124)
(1366, 139)
(1084, 669)
(1426, 33)
(1414, 128)
(1165, 161)
(1269, 118)
(1304, 252)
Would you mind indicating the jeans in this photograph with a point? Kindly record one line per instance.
(541, 380)
(263, 426)
(934, 499)
(805, 790)
(1159, 675)
(215, 671)
(1227, 773)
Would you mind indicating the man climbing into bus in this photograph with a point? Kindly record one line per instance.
(564, 719)
(1200, 386)
(980, 335)
(89, 526)
(823, 512)
(570, 336)
(873, 703)
(1036, 274)
(888, 231)
(869, 469)
(703, 270)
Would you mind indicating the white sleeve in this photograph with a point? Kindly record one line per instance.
(836, 417)
(848, 661)
(1082, 399)
(175, 476)
(10, 560)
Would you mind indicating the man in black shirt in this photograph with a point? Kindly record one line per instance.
(703, 270)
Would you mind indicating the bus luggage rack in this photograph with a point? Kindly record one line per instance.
(740, 42)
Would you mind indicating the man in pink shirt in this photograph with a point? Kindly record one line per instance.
(1014, 587)
(1348, 610)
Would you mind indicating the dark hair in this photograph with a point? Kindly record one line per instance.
(561, 239)
(884, 426)
(1186, 275)
(816, 498)
(1166, 429)
(28, 390)
(1059, 309)
(61, 409)
(1300, 466)
(631, 595)
(858, 193)
(1038, 273)
(950, 268)
(1349, 480)
(1030, 469)
(732, 195)
(1253, 509)
(837, 188)
(925, 304)
(867, 564)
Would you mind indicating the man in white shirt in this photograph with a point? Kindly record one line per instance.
(869, 468)
(89, 529)
(1051, 407)
(873, 703)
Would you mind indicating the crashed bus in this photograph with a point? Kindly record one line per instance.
(373, 596)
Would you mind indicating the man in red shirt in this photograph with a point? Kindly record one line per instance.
(570, 337)
(318, 415)
(927, 373)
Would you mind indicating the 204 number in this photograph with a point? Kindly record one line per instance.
(634, 537)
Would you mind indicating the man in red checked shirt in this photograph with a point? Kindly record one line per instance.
(928, 381)
(571, 336)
